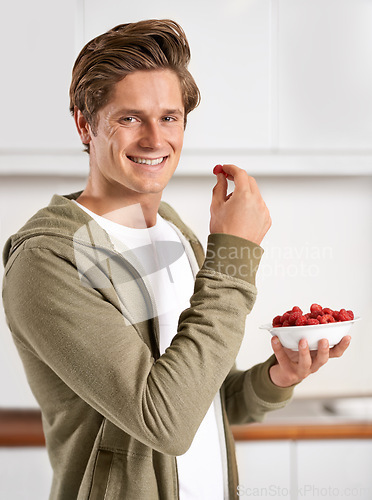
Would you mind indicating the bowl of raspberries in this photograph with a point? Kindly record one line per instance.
(319, 323)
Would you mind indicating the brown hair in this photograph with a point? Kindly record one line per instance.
(108, 58)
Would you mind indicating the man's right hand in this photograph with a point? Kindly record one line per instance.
(241, 213)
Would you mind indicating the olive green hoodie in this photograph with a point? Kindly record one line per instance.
(115, 413)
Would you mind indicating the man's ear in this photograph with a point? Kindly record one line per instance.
(82, 126)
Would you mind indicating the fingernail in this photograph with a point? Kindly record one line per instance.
(275, 340)
(323, 343)
(303, 343)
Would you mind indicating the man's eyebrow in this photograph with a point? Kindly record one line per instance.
(174, 112)
(127, 111)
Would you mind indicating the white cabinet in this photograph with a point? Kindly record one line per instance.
(285, 83)
(325, 74)
(25, 474)
(37, 42)
(284, 74)
(334, 469)
(296, 470)
(264, 469)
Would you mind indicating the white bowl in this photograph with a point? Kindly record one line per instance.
(290, 336)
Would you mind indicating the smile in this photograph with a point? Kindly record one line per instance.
(147, 161)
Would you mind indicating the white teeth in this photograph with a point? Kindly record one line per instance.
(145, 161)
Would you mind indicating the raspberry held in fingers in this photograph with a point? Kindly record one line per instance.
(219, 170)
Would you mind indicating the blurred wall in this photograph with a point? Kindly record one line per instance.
(317, 250)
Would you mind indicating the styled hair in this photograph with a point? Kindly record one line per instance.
(145, 45)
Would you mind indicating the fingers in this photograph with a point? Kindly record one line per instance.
(322, 355)
(340, 348)
(284, 373)
(323, 352)
(239, 176)
(304, 359)
(243, 212)
(293, 368)
(280, 374)
(279, 352)
(220, 189)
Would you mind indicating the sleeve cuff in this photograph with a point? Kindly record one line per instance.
(234, 256)
(264, 388)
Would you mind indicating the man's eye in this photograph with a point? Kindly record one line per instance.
(128, 119)
(168, 118)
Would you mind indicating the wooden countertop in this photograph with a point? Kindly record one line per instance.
(22, 427)
(299, 431)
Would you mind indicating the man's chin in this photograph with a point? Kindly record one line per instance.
(155, 185)
(152, 188)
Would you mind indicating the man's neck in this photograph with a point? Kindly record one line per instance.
(137, 213)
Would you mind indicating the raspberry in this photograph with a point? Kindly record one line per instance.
(296, 309)
(293, 317)
(312, 321)
(301, 321)
(344, 315)
(326, 318)
(351, 314)
(276, 321)
(315, 314)
(315, 308)
(284, 317)
(219, 170)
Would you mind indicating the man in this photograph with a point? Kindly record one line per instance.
(127, 333)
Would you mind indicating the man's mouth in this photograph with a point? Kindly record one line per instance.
(147, 161)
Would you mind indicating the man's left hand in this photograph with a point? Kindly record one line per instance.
(295, 366)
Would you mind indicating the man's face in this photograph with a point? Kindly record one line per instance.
(139, 136)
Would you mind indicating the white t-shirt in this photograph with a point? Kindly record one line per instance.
(201, 473)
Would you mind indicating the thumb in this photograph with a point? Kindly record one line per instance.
(220, 189)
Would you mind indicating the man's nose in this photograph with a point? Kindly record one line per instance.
(152, 136)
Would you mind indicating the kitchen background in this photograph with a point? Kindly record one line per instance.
(286, 94)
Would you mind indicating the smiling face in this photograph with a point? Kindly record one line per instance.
(139, 135)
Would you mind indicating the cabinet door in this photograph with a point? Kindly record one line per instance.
(25, 474)
(334, 469)
(37, 52)
(264, 469)
(325, 74)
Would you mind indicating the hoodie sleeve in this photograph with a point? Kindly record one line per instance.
(250, 394)
(84, 337)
